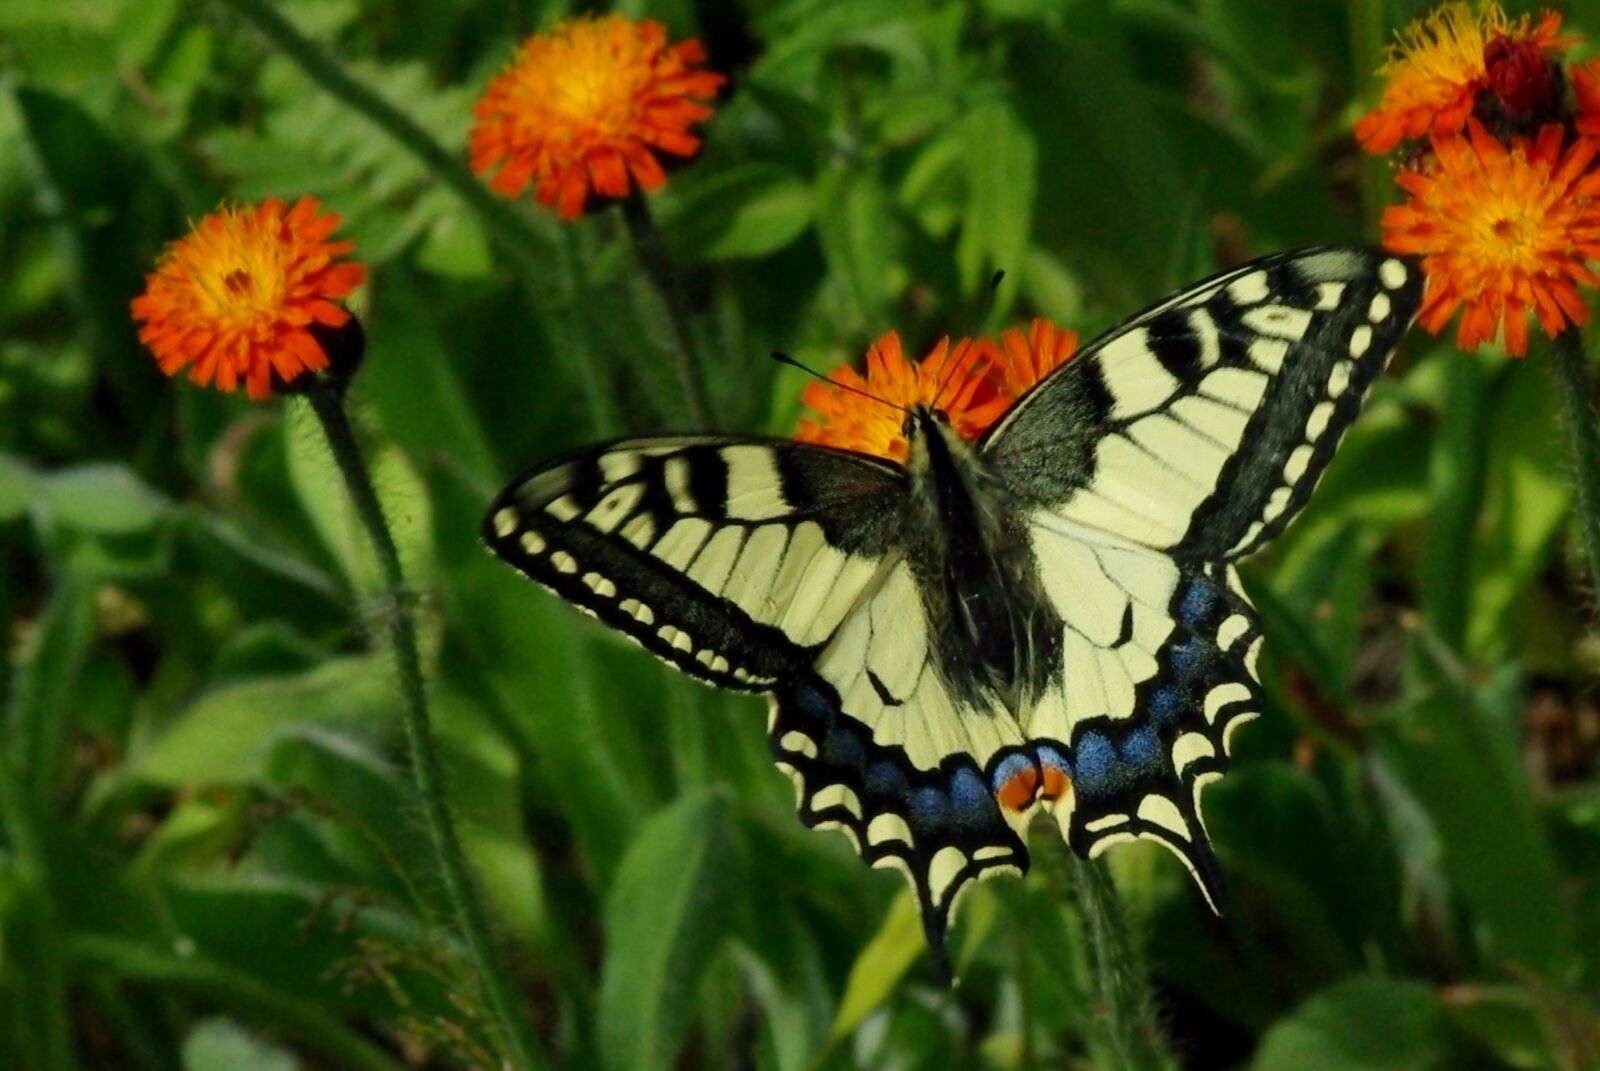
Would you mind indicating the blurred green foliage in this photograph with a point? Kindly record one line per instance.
(210, 856)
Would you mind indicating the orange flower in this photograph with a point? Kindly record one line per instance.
(588, 104)
(1025, 359)
(1501, 231)
(853, 422)
(1438, 67)
(237, 297)
(1586, 91)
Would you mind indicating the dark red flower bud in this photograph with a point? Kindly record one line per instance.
(1520, 73)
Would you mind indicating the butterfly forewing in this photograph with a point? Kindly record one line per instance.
(1200, 426)
(731, 559)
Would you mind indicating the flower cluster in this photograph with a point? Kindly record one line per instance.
(254, 295)
(973, 382)
(1501, 192)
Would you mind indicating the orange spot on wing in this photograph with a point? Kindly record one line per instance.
(1017, 792)
(1056, 784)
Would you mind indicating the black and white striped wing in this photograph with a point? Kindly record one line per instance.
(732, 559)
(1200, 426)
(1174, 445)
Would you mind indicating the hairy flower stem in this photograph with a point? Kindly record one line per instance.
(327, 402)
(1127, 1010)
(522, 243)
(652, 254)
(1577, 393)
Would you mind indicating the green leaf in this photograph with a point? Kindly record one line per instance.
(322, 493)
(665, 915)
(1365, 1023)
(743, 211)
(415, 386)
(100, 499)
(43, 707)
(1456, 753)
(1459, 462)
(219, 1044)
(16, 488)
(1528, 491)
(881, 965)
(226, 735)
(1001, 165)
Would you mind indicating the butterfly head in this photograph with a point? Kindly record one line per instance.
(934, 447)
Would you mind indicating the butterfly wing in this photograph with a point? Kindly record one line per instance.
(1174, 445)
(733, 560)
(1200, 426)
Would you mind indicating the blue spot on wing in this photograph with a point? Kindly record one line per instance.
(1142, 749)
(1095, 760)
(929, 810)
(1165, 705)
(974, 805)
(1198, 600)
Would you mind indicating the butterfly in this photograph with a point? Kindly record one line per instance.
(1048, 618)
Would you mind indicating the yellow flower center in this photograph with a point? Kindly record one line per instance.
(240, 272)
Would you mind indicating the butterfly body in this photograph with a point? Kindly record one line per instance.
(975, 575)
(1046, 620)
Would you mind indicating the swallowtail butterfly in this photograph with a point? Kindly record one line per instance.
(1048, 618)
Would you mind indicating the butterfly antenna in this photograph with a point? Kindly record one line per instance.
(784, 358)
(985, 303)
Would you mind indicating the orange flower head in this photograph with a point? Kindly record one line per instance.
(588, 104)
(1026, 358)
(1501, 230)
(238, 297)
(1439, 65)
(853, 422)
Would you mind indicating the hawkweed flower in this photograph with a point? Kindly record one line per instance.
(245, 294)
(1501, 230)
(973, 382)
(587, 107)
(1026, 357)
(1459, 59)
(957, 378)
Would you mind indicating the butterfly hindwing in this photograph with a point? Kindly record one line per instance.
(1200, 426)
(881, 749)
(729, 558)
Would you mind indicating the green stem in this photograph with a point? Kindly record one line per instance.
(524, 244)
(652, 254)
(1117, 966)
(303, 1018)
(328, 404)
(1577, 393)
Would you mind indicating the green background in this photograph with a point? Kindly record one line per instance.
(211, 858)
